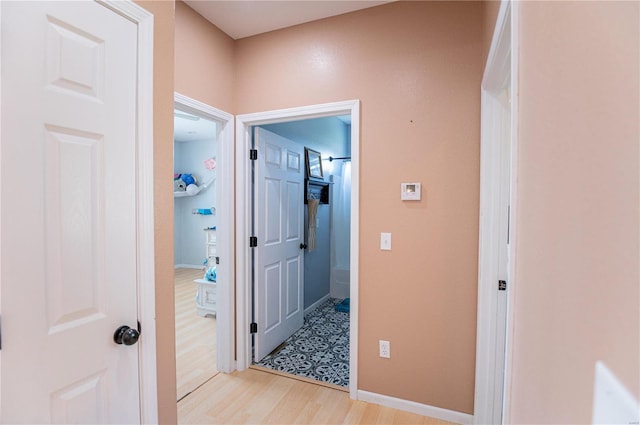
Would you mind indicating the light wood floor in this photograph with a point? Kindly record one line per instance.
(257, 397)
(195, 336)
(254, 396)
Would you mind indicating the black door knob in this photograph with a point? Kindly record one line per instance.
(303, 246)
(126, 335)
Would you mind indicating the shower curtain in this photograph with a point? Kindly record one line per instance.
(342, 217)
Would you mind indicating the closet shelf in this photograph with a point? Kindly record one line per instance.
(202, 187)
(182, 194)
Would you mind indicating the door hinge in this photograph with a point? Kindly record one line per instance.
(253, 328)
(253, 154)
(217, 260)
(502, 285)
(253, 242)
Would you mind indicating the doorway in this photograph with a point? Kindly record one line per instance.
(195, 238)
(244, 125)
(203, 245)
(316, 347)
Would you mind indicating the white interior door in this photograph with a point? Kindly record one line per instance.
(278, 220)
(69, 251)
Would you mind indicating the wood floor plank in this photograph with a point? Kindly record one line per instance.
(195, 336)
(254, 396)
(257, 397)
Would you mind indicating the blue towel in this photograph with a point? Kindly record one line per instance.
(343, 306)
(211, 274)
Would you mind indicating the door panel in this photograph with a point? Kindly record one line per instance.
(279, 282)
(293, 287)
(273, 289)
(294, 212)
(69, 226)
(272, 211)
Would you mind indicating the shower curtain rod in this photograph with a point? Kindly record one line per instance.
(344, 158)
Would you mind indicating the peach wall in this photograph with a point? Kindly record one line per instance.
(416, 67)
(577, 291)
(163, 12)
(491, 9)
(204, 60)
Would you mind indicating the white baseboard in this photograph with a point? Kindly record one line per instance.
(316, 304)
(417, 408)
(188, 266)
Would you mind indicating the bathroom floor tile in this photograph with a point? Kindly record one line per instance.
(319, 349)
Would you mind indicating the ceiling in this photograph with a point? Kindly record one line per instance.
(189, 128)
(244, 18)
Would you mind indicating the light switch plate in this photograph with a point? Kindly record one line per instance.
(385, 241)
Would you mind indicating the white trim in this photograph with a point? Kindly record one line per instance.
(243, 214)
(225, 224)
(493, 318)
(316, 304)
(417, 408)
(354, 277)
(496, 70)
(188, 266)
(145, 219)
(513, 232)
(1, 73)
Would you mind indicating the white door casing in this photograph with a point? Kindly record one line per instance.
(244, 124)
(279, 259)
(498, 171)
(75, 230)
(225, 346)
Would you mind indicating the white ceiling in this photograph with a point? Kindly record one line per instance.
(244, 18)
(189, 128)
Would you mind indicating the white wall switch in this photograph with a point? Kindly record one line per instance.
(385, 241)
(385, 349)
(410, 191)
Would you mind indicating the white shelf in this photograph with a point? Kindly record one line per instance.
(182, 194)
(202, 187)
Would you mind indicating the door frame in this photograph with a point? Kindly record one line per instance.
(243, 220)
(145, 261)
(491, 366)
(225, 224)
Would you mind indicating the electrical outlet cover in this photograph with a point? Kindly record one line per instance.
(385, 349)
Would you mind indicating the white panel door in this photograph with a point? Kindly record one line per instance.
(68, 192)
(279, 271)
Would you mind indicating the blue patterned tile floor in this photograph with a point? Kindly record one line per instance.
(318, 350)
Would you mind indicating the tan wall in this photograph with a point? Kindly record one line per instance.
(204, 60)
(577, 293)
(491, 8)
(163, 12)
(416, 67)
